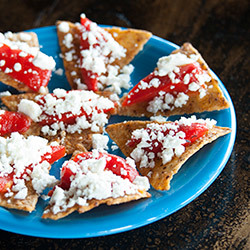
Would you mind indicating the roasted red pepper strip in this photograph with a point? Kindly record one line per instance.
(6, 182)
(66, 173)
(192, 132)
(22, 69)
(137, 95)
(89, 77)
(57, 153)
(13, 122)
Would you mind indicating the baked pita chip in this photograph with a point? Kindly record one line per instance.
(72, 141)
(131, 39)
(48, 213)
(161, 174)
(28, 204)
(32, 42)
(213, 100)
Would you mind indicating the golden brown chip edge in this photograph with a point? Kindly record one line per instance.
(94, 203)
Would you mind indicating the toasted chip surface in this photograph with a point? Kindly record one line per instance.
(213, 100)
(161, 173)
(28, 204)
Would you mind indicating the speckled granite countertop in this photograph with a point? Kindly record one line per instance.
(219, 218)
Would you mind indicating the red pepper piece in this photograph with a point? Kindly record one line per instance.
(85, 22)
(65, 181)
(13, 122)
(57, 153)
(6, 182)
(32, 76)
(192, 132)
(89, 78)
(116, 163)
(137, 95)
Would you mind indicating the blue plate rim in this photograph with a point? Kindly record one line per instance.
(154, 39)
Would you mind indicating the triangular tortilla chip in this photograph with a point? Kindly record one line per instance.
(9, 80)
(48, 214)
(213, 100)
(131, 39)
(161, 174)
(75, 141)
(28, 204)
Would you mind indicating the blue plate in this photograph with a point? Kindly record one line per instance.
(193, 178)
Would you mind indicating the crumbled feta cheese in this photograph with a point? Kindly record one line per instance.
(2, 63)
(25, 36)
(16, 154)
(158, 118)
(92, 181)
(59, 72)
(88, 107)
(100, 141)
(167, 64)
(171, 143)
(17, 67)
(63, 27)
(67, 41)
(41, 178)
(5, 93)
(30, 109)
(44, 62)
(181, 100)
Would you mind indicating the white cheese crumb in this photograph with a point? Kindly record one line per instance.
(30, 109)
(63, 27)
(5, 93)
(25, 36)
(17, 67)
(88, 107)
(158, 118)
(2, 63)
(167, 64)
(43, 61)
(100, 141)
(59, 71)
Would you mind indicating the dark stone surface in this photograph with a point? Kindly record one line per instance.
(219, 218)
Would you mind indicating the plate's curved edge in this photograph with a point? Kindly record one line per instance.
(164, 214)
